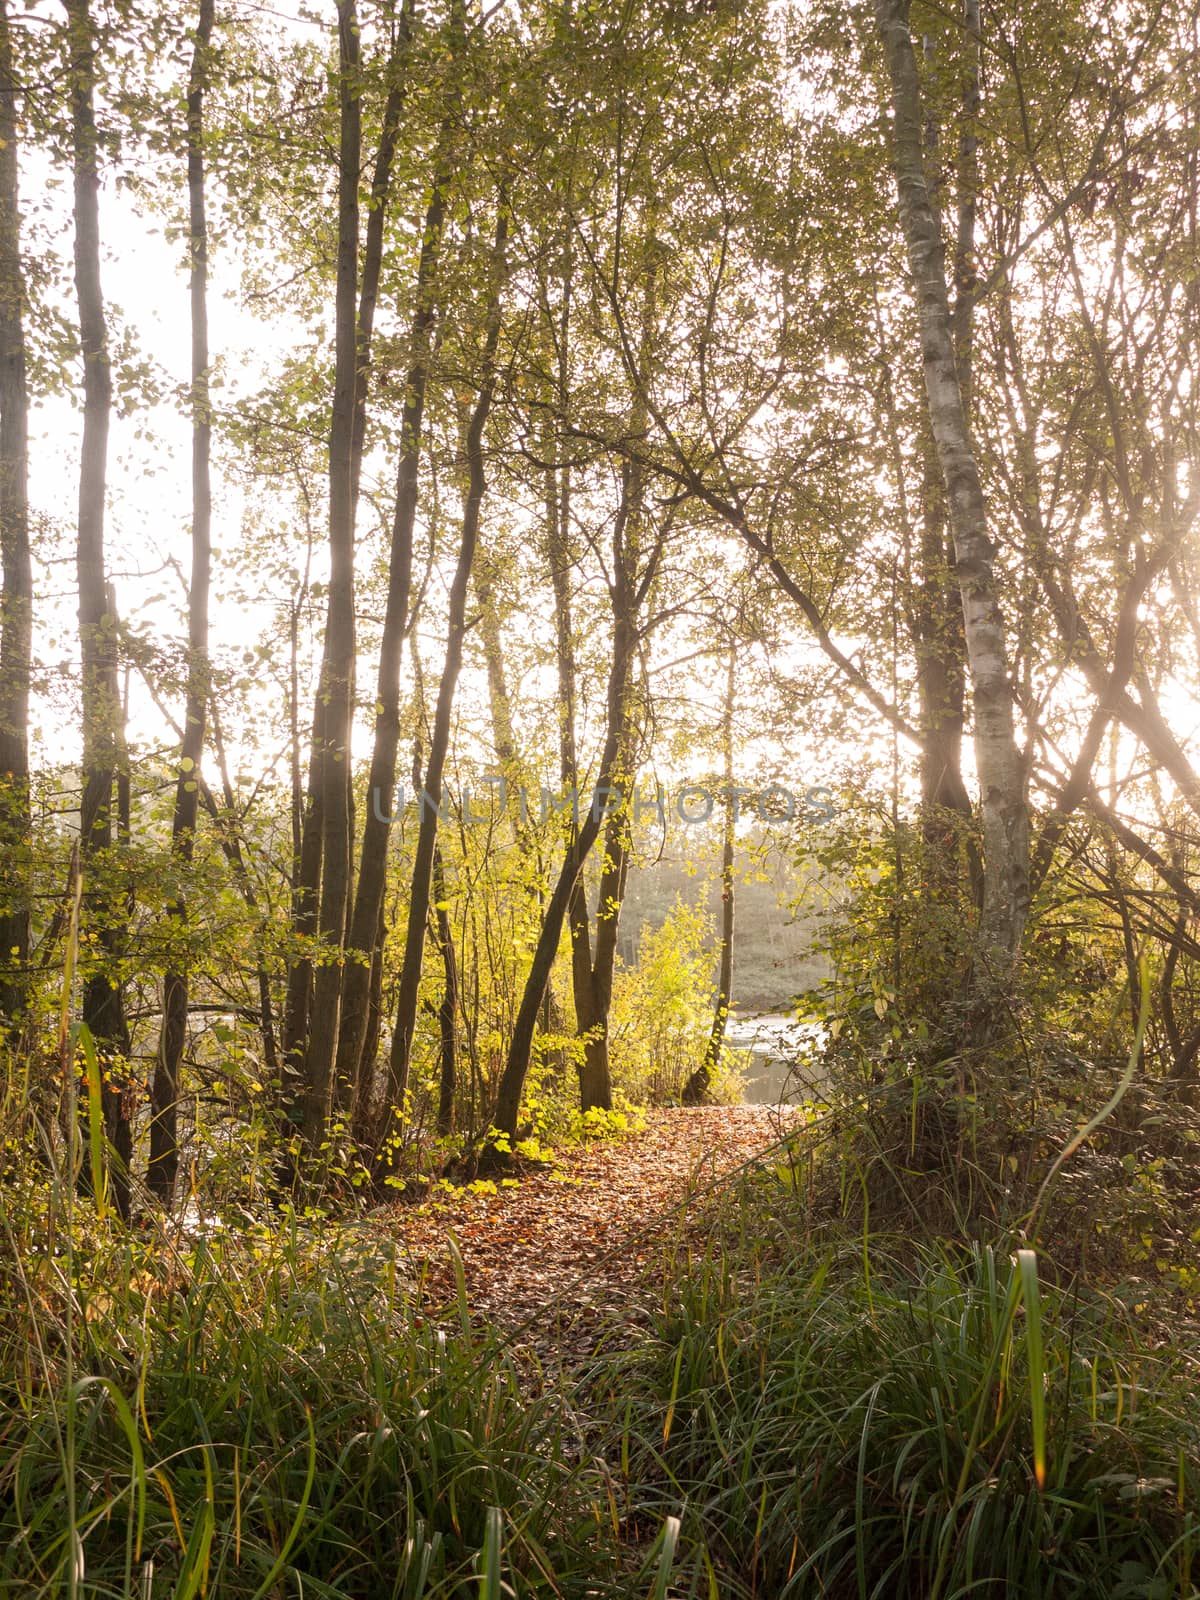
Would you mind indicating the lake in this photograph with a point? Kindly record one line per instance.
(773, 1043)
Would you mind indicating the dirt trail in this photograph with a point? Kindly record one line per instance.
(567, 1249)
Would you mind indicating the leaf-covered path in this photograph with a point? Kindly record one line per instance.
(569, 1248)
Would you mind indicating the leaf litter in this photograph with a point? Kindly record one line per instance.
(567, 1255)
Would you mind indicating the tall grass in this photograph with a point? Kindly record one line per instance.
(937, 1427)
(276, 1413)
(275, 1416)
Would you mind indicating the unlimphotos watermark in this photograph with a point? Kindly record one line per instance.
(692, 803)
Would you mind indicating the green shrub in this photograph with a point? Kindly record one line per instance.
(662, 1012)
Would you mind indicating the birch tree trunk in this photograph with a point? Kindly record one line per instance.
(1005, 823)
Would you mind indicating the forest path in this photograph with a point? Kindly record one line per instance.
(555, 1255)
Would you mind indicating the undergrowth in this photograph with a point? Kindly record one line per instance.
(278, 1408)
(274, 1414)
(901, 1419)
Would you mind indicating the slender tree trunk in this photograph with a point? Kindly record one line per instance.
(516, 1066)
(1005, 823)
(508, 756)
(336, 688)
(375, 1011)
(232, 847)
(595, 1076)
(16, 595)
(696, 1089)
(164, 1092)
(628, 587)
(592, 966)
(594, 976)
(418, 909)
(305, 864)
(499, 701)
(350, 431)
(947, 821)
(103, 996)
(967, 180)
(938, 631)
(306, 886)
(357, 1041)
(377, 216)
(596, 982)
(448, 1010)
(558, 552)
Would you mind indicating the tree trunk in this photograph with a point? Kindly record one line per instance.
(1005, 824)
(448, 1010)
(336, 687)
(508, 756)
(418, 907)
(595, 1076)
(592, 967)
(16, 596)
(938, 626)
(946, 811)
(696, 1089)
(558, 554)
(381, 188)
(595, 1080)
(499, 701)
(308, 853)
(357, 1043)
(232, 849)
(164, 1092)
(103, 997)
(516, 1066)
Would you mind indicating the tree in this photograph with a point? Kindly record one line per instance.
(1004, 816)
(431, 796)
(355, 1062)
(329, 794)
(102, 712)
(696, 1089)
(164, 1091)
(16, 596)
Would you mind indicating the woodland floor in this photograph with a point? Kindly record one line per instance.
(567, 1253)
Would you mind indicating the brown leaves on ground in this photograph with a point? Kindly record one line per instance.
(572, 1246)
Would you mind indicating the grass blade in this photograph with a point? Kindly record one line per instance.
(666, 1557)
(95, 1116)
(1027, 1267)
(277, 1566)
(489, 1578)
